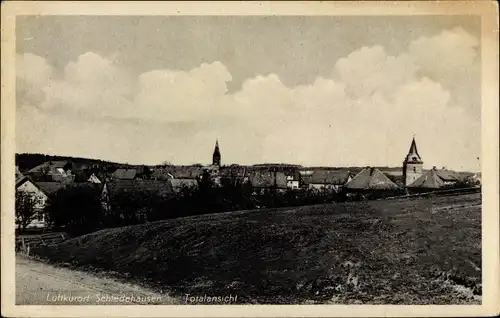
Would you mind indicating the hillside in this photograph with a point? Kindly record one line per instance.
(26, 161)
(418, 251)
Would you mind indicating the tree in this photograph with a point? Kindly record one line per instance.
(130, 206)
(26, 209)
(78, 208)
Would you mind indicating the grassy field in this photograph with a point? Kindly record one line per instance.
(412, 251)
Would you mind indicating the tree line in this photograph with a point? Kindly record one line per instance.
(79, 209)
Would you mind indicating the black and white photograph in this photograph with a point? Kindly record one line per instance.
(249, 159)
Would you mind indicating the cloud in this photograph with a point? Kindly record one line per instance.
(183, 96)
(452, 58)
(364, 113)
(369, 70)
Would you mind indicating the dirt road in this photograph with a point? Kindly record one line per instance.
(42, 284)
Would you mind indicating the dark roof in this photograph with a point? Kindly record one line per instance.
(81, 175)
(125, 174)
(429, 180)
(182, 172)
(371, 179)
(265, 179)
(48, 166)
(50, 187)
(234, 171)
(157, 186)
(336, 177)
(293, 173)
(447, 175)
(20, 180)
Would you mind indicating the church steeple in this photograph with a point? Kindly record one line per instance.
(413, 155)
(412, 165)
(216, 158)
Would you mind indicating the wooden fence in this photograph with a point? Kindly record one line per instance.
(25, 242)
(438, 193)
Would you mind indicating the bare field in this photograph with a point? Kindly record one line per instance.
(408, 251)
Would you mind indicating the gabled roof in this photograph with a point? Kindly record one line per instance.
(161, 187)
(447, 175)
(371, 179)
(20, 180)
(429, 180)
(265, 179)
(23, 180)
(95, 177)
(182, 172)
(48, 166)
(125, 174)
(50, 187)
(335, 177)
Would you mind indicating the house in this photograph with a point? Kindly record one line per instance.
(26, 186)
(449, 177)
(181, 172)
(326, 180)
(56, 171)
(429, 181)
(94, 179)
(179, 185)
(373, 182)
(234, 174)
(293, 179)
(124, 174)
(262, 181)
(440, 179)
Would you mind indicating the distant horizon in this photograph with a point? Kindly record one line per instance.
(426, 167)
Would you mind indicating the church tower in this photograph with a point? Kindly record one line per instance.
(412, 165)
(216, 156)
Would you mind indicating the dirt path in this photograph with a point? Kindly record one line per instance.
(42, 284)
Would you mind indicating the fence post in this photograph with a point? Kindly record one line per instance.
(23, 244)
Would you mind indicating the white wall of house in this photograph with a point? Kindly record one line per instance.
(322, 186)
(29, 188)
(292, 184)
(93, 179)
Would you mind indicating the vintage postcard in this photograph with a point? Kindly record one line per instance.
(250, 159)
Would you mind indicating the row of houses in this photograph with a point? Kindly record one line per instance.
(169, 180)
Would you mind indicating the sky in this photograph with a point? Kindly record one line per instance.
(324, 90)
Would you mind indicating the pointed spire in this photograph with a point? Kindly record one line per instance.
(413, 147)
(413, 154)
(216, 158)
